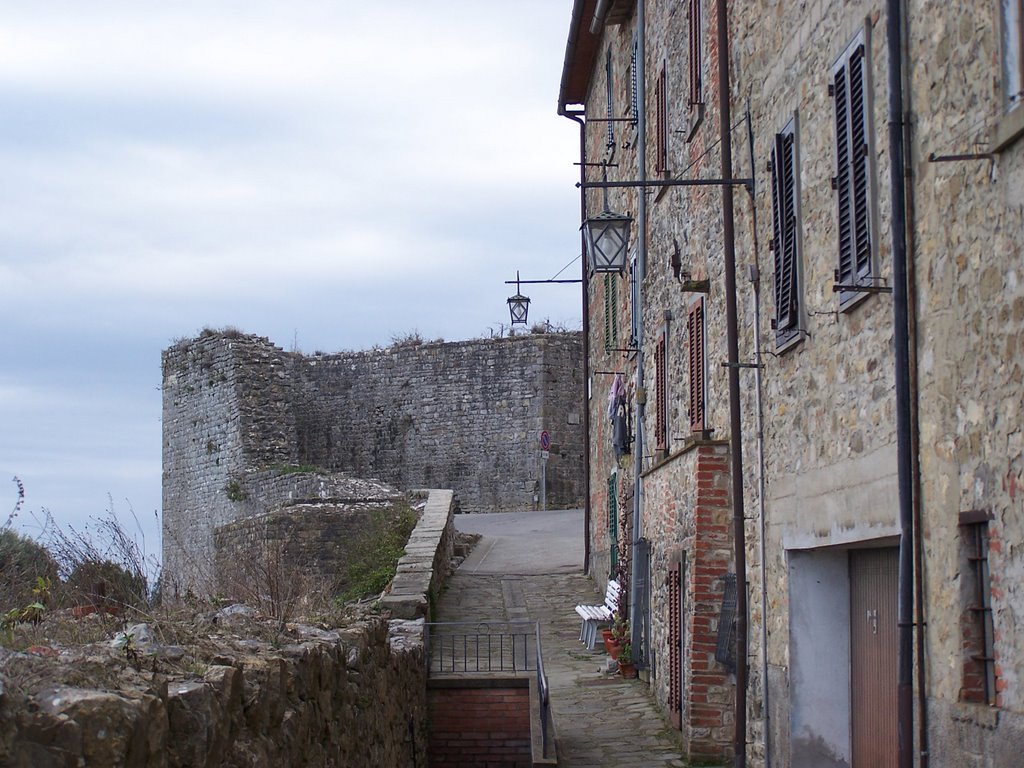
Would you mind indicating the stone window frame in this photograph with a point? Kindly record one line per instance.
(854, 183)
(609, 98)
(661, 425)
(787, 240)
(613, 523)
(696, 54)
(661, 130)
(696, 366)
(611, 311)
(634, 302)
(977, 629)
(1010, 124)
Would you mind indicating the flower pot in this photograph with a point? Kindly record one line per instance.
(627, 670)
(612, 646)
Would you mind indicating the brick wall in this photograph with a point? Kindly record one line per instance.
(486, 725)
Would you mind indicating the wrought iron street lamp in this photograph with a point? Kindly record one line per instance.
(607, 241)
(518, 305)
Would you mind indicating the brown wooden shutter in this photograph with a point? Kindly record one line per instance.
(660, 395)
(675, 643)
(853, 165)
(661, 134)
(696, 97)
(784, 232)
(695, 355)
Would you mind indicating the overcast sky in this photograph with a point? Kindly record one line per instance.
(328, 174)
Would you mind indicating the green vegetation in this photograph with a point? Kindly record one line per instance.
(234, 491)
(375, 557)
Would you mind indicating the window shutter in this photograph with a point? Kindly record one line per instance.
(853, 166)
(611, 311)
(695, 354)
(675, 643)
(613, 521)
(784, 232)
(610, 109)
(634, 89)
(696, 97)
(660, 395)
(860, 160)
(661, 135)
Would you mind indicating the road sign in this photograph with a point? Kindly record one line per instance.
(545, 455)
(545, 440)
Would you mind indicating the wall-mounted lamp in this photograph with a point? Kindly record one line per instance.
(518, 305)
(607, 240)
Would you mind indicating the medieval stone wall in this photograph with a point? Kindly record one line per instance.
(248, 427)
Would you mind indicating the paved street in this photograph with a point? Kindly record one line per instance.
(528, 565)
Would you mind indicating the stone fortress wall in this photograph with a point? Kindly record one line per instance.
(249, 427)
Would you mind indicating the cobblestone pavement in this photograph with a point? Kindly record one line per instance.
(600, 720)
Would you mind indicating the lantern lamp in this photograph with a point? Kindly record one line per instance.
(607, 241)
(518, 305)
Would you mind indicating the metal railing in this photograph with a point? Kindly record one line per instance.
(482, 647)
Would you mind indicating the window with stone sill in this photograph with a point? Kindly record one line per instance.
(785, 243)
(696, 365)
(661, 393)
(611, 311)
(609, 105)
(696, 58)
(661, 123)
(978, 679)
(849, 90)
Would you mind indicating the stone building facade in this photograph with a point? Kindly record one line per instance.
(810, 89)
(249, 427)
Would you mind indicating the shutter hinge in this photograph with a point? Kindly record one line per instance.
(771, 244)
(835, 182)
(831, 89)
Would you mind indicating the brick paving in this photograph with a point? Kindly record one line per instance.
(600, 720)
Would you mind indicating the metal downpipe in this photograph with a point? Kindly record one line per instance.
(577, 117)
(901, 350)
(636, 622)
(732, 334)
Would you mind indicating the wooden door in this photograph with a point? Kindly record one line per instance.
(873, 647)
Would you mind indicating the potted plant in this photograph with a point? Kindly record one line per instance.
(618, 635)
(626, 666)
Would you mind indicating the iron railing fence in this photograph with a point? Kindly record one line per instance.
(482, 647)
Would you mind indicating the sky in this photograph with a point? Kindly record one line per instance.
(331, 175)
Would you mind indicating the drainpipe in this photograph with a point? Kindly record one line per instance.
(915, 434)
(577, 117)
(636, 622)
(755, 281)
(901, 349)
(732, 334)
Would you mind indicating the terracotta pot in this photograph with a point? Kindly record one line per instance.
(612, 647)
(627, 670)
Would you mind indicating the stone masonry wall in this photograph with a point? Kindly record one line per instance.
(240, 416)
(354, 695)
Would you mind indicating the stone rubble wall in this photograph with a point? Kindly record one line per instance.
(355, 695)
(242, 416)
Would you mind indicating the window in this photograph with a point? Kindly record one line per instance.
(634, 304)
(696, 57)
(634, 90)
(661, 393)
(661, 123)
(852, 182)
(611, 311)
(978, 682)
(1012, 12)
(613, 523)
(610, 110)
(785, 235)
(695, 360)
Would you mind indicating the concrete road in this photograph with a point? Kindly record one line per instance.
(523, 543)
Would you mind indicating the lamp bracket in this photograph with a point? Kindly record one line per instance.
(748, 183)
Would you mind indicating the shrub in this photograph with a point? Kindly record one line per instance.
(22, 562)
